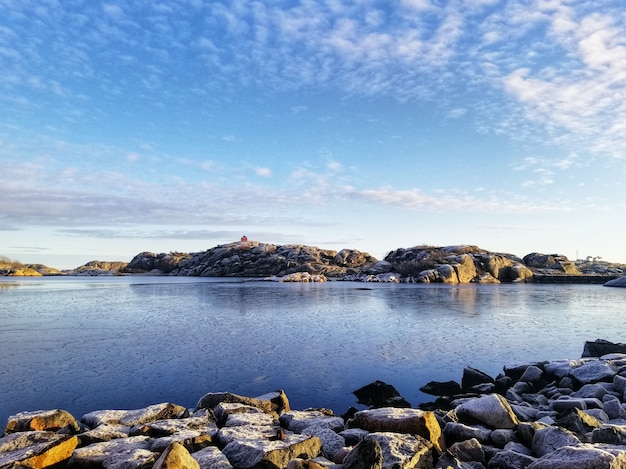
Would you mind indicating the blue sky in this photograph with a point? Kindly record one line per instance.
(129, 126)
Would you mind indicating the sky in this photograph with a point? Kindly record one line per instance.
(179, 125)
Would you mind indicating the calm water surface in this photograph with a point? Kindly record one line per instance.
(84, 344)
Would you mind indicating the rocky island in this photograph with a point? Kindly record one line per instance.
(567, 413)
(296, 262)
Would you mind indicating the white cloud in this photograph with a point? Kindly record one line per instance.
(263, 172)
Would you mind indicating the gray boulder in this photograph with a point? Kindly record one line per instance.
(547, 440)
(582, 457)
(402, 451)
(492, 410)
(366, 455)
(33, 449)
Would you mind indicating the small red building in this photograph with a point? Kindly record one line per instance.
(244, 238)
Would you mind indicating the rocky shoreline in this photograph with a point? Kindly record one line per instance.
(300, 263)
(542, 415)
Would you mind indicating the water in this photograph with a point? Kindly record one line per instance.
(84, 344)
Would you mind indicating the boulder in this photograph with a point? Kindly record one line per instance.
(274, 403)
(618, 282)
(211, 458)
(600, 347)
(438, 388)
(332, 442)
(51, 420)
(455, 432)
(380, 394)
(547, 440)
(403, 451)
(594, 371)
(468, 451)
(176, 457)
(366, 455)
(492, 410)
(582, 456)
(473, 377)
(104, 432)
(511, 460)
(132, 453)
(271, 453)
(410, 421)
(134, 417)
(297, 420)
(35, 449)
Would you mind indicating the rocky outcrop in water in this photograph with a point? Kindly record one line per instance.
(541, 415)
(94, 268)
(163, 263)
(255, 259)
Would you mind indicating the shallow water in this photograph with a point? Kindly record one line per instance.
(84, 344)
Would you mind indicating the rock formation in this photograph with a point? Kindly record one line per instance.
(540, 415)
(98, 268)
(164, 263)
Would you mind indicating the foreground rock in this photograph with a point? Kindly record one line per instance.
(567, 413)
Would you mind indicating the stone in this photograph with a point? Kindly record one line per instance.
(238, 420)
(594, 371)
(42, 420)
(134, 417)
(366, 455)
(410, 421)
(211, 458)
(492, 410)
(560, 368)
(566, 403)
(501, 437)
(380, 394)
(577, 421)
(600, 347)
(298, 420)
(590, 390)
(176, 457)
(472, 377)
(532, 374)
(263, 453)
(104, 432)
(254, 432)
(619, 384)
(332, 442)
(129, 453)
(581, 457)
(613, 407)
(401, 451)
(35, 449)
(547, 440)
(510, 460)
(468, 450)
(167, 427)
(299, 463)
(274, 404)
(437, 388)
(454, 432)
(609, 434)
(192, 440)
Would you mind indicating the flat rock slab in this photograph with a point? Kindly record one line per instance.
(128, 453)
(298, 420)
(271, 453)
(134, 417)
(211, 458)
(582, 457)
(35, 449)
(40, 420)
(403, 451)
(594, 371)
(397, 420)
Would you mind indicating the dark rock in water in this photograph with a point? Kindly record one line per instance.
(380, 394)
(442, 388)
(473, 377)
(601, 347)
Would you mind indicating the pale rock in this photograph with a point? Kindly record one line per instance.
(332, 442)
(224, 409)
(402, 451)
(166, 427)
(252, 433)
(401, 420)
(532, 374)
(590, 391)
(238, 420)
(41, 420)
(366, 455)
(176, 457)
(35, 449)
(593, 371)
(353, 436)
(192, 440)
(250, 453)
(274, 402)
(124, 453)
(492, 410)
(561, 368)
(104, 432)
(582, 456)
(211, 458)
(298, 420)
(547, 440)
(134, 417)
